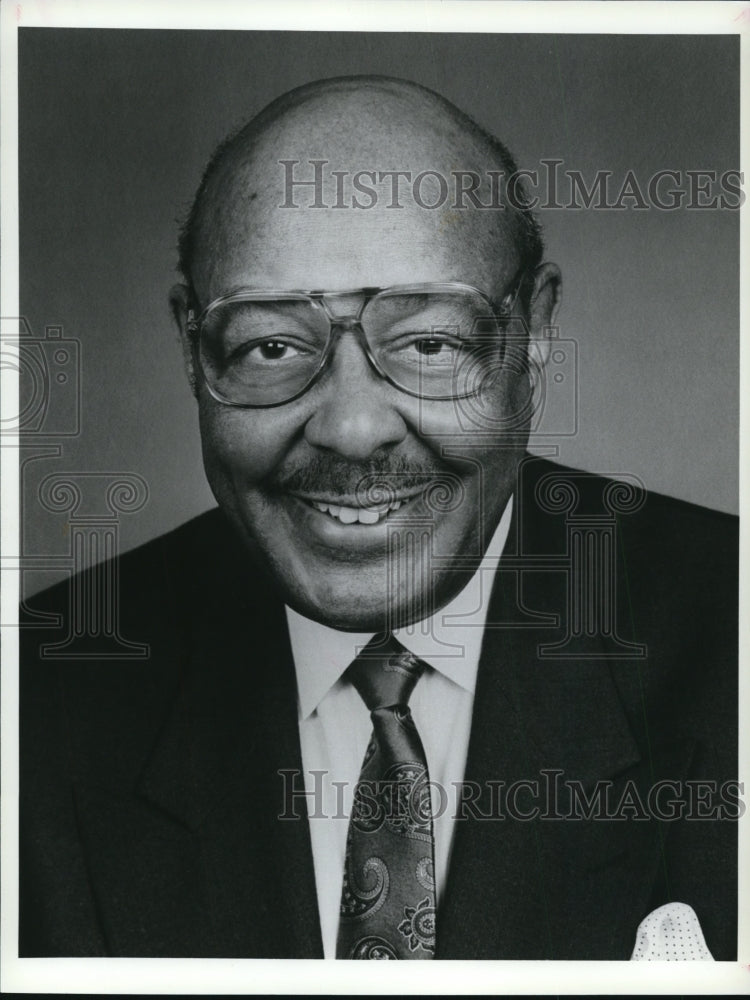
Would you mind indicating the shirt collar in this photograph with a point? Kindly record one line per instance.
(450, 640)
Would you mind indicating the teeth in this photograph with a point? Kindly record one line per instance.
(368, 516)
(357, 515)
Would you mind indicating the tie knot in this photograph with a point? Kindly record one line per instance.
(385, 673)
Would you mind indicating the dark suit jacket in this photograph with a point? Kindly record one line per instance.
(150, 787)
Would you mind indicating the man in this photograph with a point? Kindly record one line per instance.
(529, 670)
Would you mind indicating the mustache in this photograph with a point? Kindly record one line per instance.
(330, 474)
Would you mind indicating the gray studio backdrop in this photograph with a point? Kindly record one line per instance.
(116, 126)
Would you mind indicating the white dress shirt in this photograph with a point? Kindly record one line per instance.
(335, 726)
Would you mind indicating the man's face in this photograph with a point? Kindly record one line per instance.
(273, 469)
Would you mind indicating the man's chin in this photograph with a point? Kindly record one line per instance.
(354, 608)
(352, 577)
(349, 612)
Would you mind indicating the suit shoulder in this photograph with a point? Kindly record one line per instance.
(176, 555)
(685, 534)
(667, 510)
(564, 490)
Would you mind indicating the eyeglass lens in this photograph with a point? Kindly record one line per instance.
(434, 344)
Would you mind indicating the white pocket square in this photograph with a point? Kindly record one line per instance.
(671, 934)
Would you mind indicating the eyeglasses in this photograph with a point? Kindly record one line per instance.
(262, 348)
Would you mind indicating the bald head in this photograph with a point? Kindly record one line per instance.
(353, 164)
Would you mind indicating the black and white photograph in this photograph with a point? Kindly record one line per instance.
(371, 458)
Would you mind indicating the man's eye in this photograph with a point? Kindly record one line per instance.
(274, 350)
(443, 349)
(430, 347)
(265, 350)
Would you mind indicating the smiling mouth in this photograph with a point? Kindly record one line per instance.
(359, 515)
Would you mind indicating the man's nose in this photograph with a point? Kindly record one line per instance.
(355, 413)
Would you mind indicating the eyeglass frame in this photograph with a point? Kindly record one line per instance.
(350, 323)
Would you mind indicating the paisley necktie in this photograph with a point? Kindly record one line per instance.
(388, 895)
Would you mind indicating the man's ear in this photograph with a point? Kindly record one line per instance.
(179, 302)
(543, 306)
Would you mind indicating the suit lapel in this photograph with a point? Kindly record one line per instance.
(545, 887)
(213, 792)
